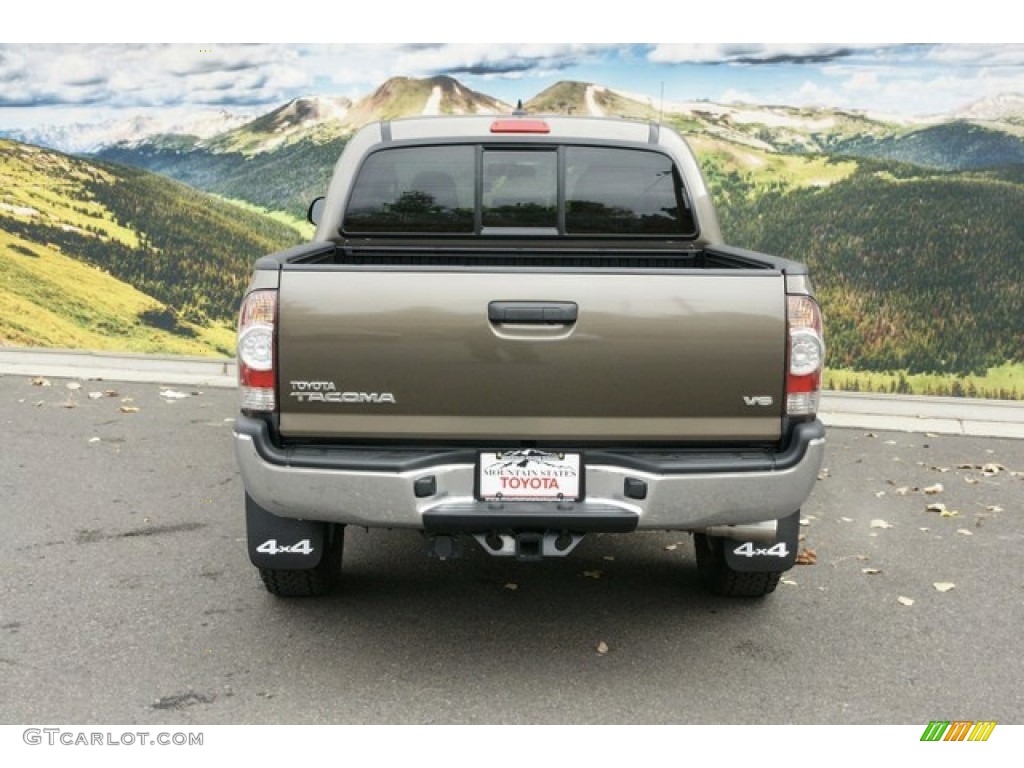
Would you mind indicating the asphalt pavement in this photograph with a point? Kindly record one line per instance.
(127, 595)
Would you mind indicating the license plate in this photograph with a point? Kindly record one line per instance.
(528, 474)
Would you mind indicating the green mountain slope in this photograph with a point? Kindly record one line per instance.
(286, 179)
(916, 271)
(99, 256)
(956, 146)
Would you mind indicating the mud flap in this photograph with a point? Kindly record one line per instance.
(282, 543)
(766, 556)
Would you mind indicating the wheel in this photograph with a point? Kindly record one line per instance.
(309, 582)
(723, 580)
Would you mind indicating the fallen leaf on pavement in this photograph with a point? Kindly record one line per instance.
(943, 586)
(73, 385)
(964, 531)
(991, 470)
(602, 648)
(949, 513)
(903, 490)
(788, 582)
(129, 409)
(937, 507)
(95, 395)
(871, 571)
(881, 524)
(94, 439)
(904, 600)
(671, 547)
(593, 574)
(931, 490)
(512, 586)
(846, 519)
(807, 557)
(39, 381)
(172, 394)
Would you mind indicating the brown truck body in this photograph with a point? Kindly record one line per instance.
(524, 330)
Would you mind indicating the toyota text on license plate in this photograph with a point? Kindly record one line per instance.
(529, 474)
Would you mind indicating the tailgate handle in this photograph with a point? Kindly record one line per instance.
(533, 312)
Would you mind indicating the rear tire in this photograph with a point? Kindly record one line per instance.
(309, 582)
(723, 580)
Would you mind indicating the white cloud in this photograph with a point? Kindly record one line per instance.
(863, 82)
(750, 53)
(975, 55)
(920, 88)
(148, 75)
(734, 96)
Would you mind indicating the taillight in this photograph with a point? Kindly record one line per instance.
(256, 351)
(806, 352)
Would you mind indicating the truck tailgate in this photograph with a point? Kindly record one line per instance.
(545, 356)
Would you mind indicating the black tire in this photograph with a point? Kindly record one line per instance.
(309, 582)
(723, 580)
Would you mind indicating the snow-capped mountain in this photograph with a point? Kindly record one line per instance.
(85, 138)
(1004, 107)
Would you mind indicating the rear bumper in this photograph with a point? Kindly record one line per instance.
(434, 490)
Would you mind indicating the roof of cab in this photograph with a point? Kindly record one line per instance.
(561, 127)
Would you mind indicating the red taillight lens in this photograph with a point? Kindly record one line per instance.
(806, 356)
(256, 375)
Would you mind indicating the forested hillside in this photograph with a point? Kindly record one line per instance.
(287, 179)
(916, 271)
(956, 146)
(168, 264)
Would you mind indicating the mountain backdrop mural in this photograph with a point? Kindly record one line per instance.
(139, 235)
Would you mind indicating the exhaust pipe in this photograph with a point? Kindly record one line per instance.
(766, 531)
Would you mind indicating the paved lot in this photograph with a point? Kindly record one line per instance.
(126, 595)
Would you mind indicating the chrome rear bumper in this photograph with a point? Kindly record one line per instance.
(434, 490)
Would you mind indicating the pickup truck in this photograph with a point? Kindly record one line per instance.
(518, 331)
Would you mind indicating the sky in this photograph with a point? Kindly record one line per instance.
(45, 83)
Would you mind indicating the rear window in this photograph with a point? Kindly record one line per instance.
(414, 189)
(623, 191)
(520, 188)
(468, 189)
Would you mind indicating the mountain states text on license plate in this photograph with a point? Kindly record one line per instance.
(529, 474)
